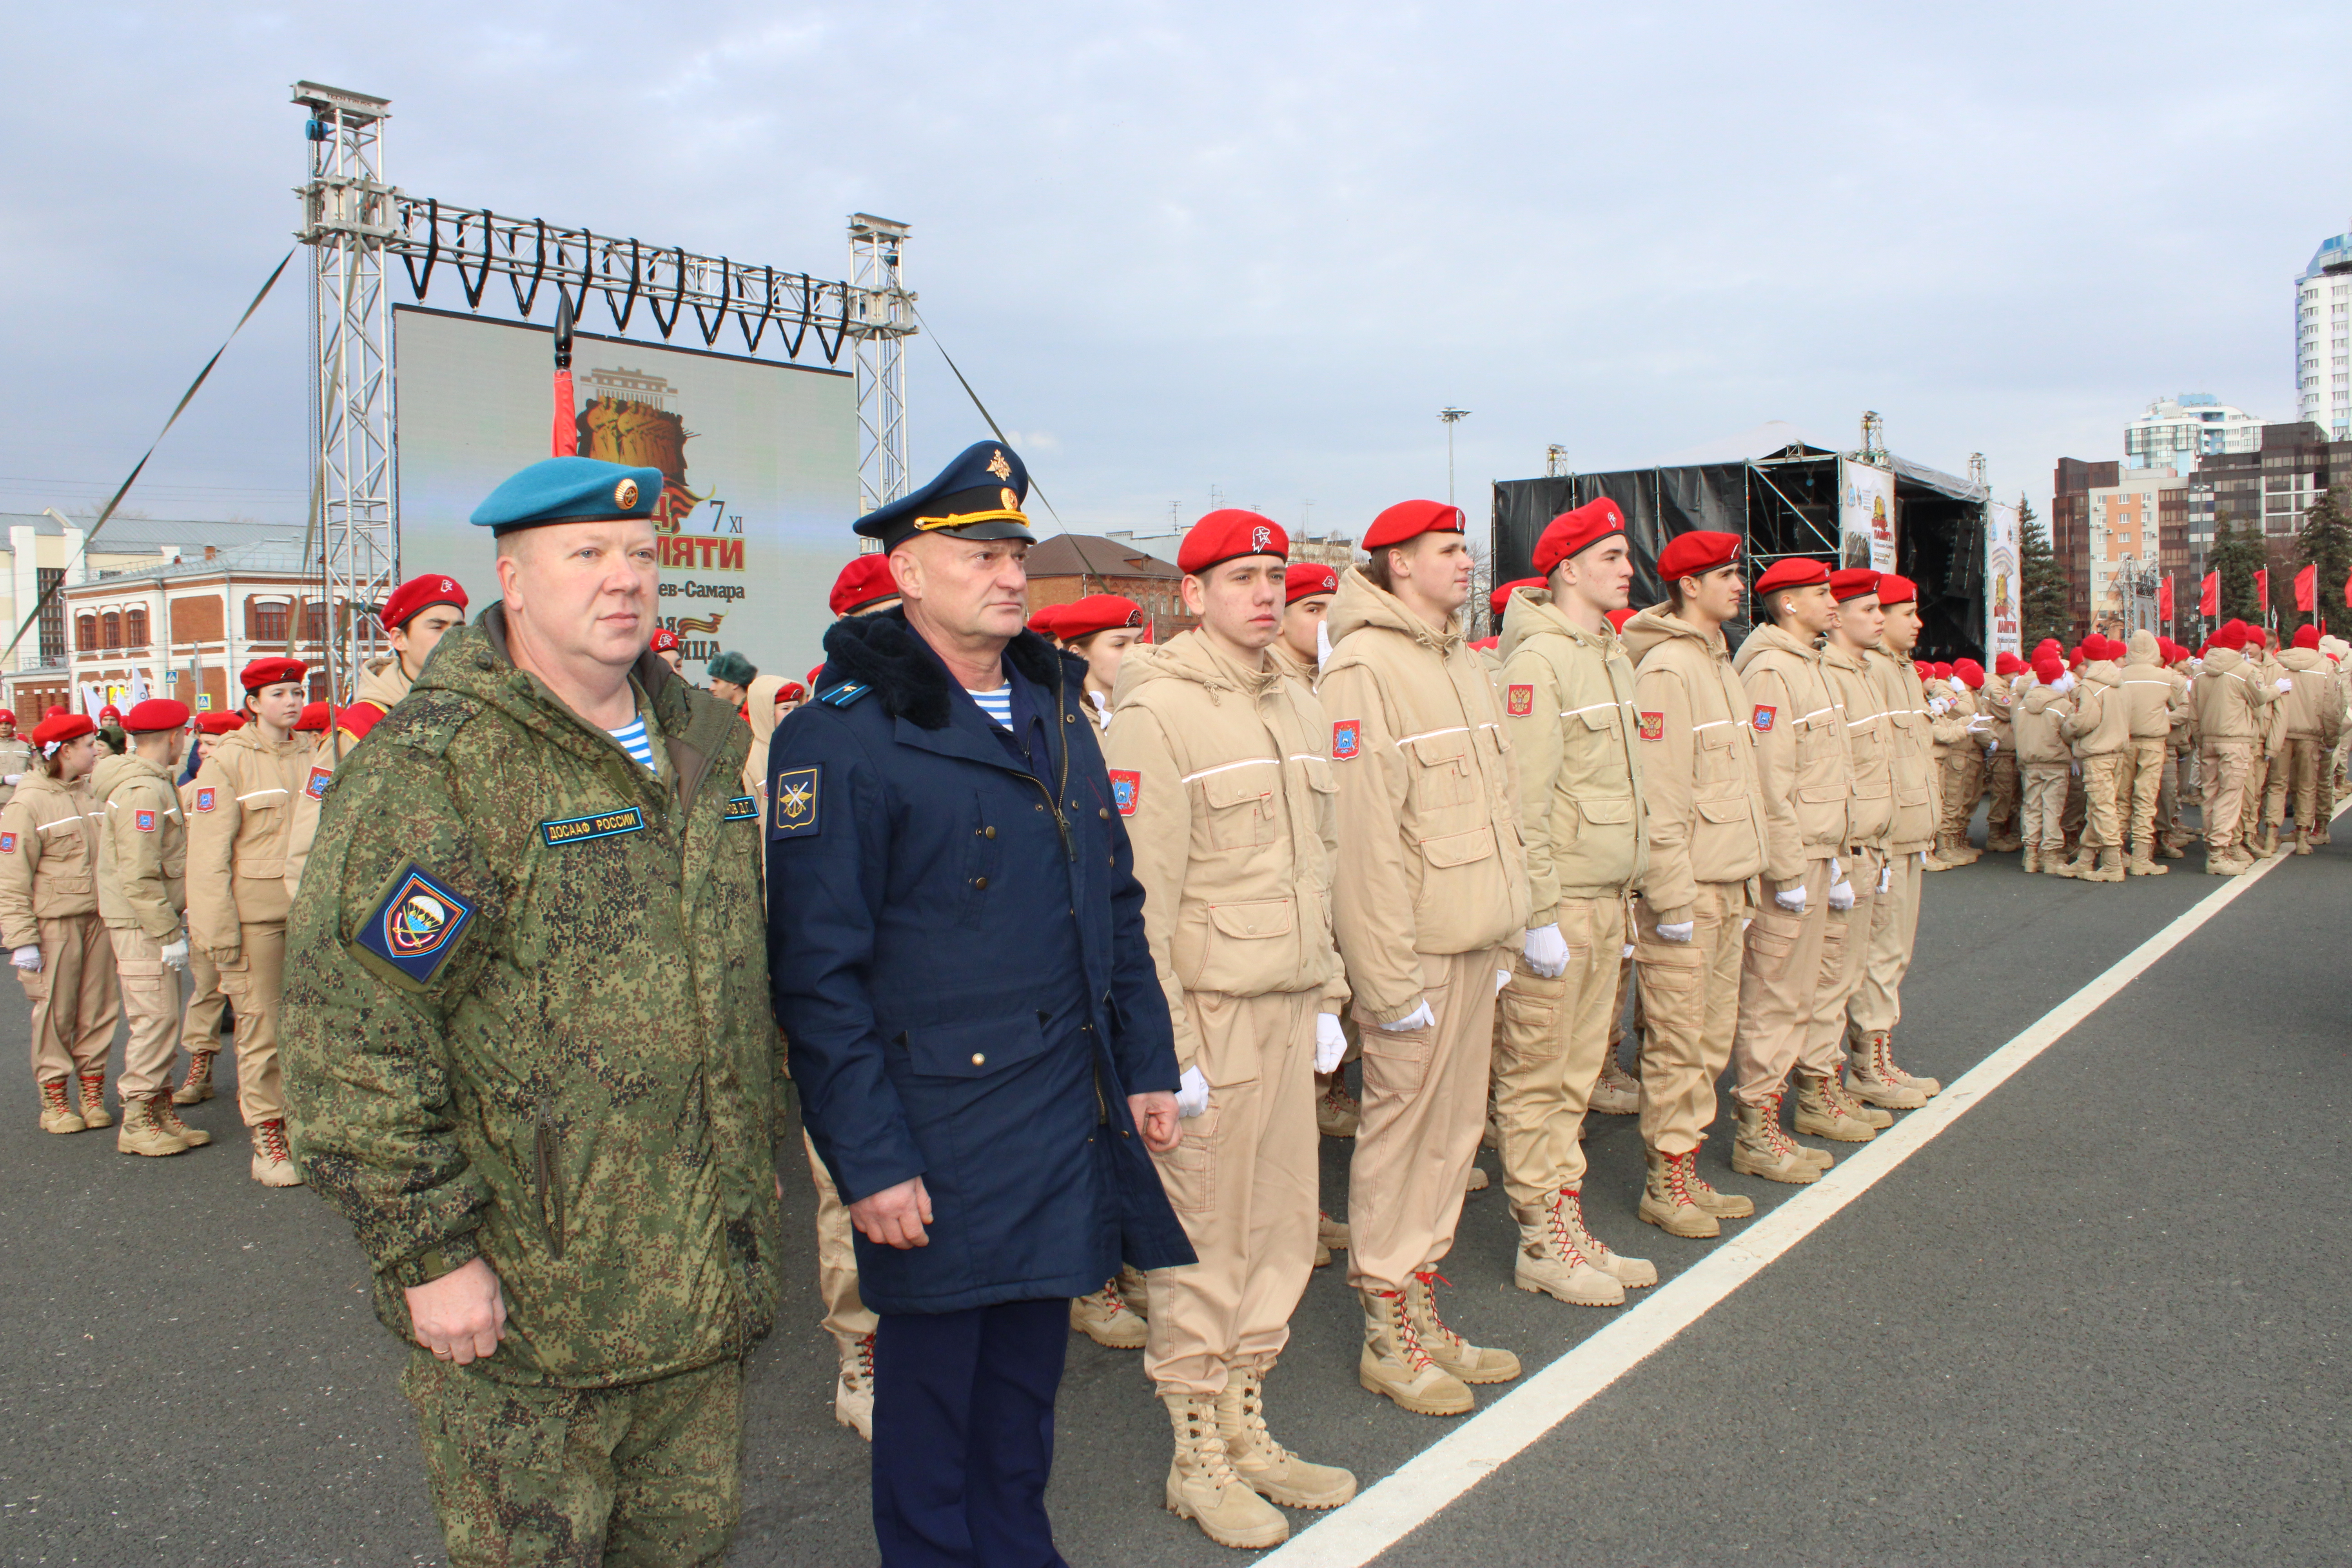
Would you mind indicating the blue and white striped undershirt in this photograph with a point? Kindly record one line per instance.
(634, 741)
(997, 704)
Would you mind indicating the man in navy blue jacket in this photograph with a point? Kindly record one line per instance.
(981, 1046)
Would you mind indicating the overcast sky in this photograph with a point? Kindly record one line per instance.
(1249, 246)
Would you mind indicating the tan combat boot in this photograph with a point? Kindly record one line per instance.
(1867, 1077)
(94, 1113)
(169, 1115)
(1550, 1263)
(1667, 1201)
(1394, 1365)
(198, 1088)
(2227, 865)
(2305, 840)
(2269, 840)
(1336, 1111)
(57, 1114)
(1722, 1205)
(1633, 1273)
(1762, 1148)
(144, 1130)
(1264, 1466)
(2059, 865)
(1330, 1236)
(1104, 1317)
(1822, 1112)
(1135, 1290)
(1618, 1092)
(1450, 1350)
(2111, 867)
(2143, 864)
(2032, 860)
(273, 1160)
(1888, 1070)
(853, 1391)
(1476, 1182)
(1202, 1486)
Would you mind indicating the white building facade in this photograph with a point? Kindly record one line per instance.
(2177, 431)
(2323, 339)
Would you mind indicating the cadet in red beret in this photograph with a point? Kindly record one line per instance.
(1420, 559)
(1501, 597)
(1047, 621)
(1306, 590)
(865, 586)
(667, 647)
(1997, 700)
(1100, 629)
(419, 594)
(1854, 582)
(1871, 1072)
(215, 725)
(51, 921)
(110, 714)
(1571, 533)
(1617, 618)
(1960, 728)
(1696, 554)
(314, 720)
(16, 755)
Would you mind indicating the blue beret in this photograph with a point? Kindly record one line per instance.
(978, 495)
(570, 489)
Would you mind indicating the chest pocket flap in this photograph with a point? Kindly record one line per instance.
(1261, 918)
(1608, 811)
(1442, 766)
(1723, 811)
(1603, 716)
(1459, 849)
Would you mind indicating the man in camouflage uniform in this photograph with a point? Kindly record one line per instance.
(529, 1055)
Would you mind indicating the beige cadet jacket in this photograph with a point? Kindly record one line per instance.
(1224, 777)
(2183, 739)
(2100, 723)
(2152, 694)
(1917, 808)
(49, 856)
(2315, 709)
(239, 830)
(1698, 763)
(1567, 705)
(1287, 663)
(1799, 730)
(1869, 744)
(1430, 859)
(1997, 703)
(2036, 717)
(2233, 699)
(142, 847)
(381, 684)
(1950, 728)
(16, 761)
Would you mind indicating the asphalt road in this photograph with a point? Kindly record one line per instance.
(2099, 1319)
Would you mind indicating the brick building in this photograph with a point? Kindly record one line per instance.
(1064, 567)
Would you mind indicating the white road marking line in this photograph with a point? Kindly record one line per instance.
(1425, 1485)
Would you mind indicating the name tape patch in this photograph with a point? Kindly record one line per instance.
(797, 798)
(1653, 726)
(742, 808)
(1126, 789)
(416, 926)
(1347, 739)
(559, 831)
(1764, 716)
(1522, 702)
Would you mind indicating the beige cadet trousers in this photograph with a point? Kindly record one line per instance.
(2170, 792)
(1424, 1106)
(255, 983)
(1244, 1183)
(2044, 826)
(2227, 766)
(200, 1025)
(2275, 788)
(1690, 1001)
(1845, 953)
(1555, 1033)
(2304, 760)
(150, 1003)
(1963, 768)
(2002, 783)
(846, 1316)
(1877, 1005)
(1780, 982)
(75, 1004)
(2103, 780)
(2145, 765)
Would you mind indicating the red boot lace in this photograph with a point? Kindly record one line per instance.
(1568, 1219)
(1430, 1279)
(1882, 1057)
(864, 1374)
(1774, 1133)
(53, 1095)
(272, 1137)
(1408, 1333)
(1681, 1174)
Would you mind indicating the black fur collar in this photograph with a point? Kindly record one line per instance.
(883, 652)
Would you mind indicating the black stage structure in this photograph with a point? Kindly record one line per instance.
(1785, 503)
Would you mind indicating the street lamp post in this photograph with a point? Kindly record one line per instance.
(1452, 416)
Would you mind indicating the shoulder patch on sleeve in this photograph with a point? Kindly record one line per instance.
(413, 928)
(1347, 739)
(1126, 789)
(1653, 726)
(7, 844)
(143, 820)
(207, 797)
(1764, 716)
(798, 794)
(1521, 702)
(316, 785)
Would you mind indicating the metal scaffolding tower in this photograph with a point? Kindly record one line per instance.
(347, 220)
(881, 319)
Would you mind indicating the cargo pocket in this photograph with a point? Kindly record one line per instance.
(1530, 1009)
(1250, 946)
(1767, 949)
(1240, 802)
(1396, 1062)
(1189, 1171)
(1441, 772)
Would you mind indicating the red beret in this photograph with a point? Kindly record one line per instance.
(263, 672)
(1573, 533)
(1923, 670)
(1617, 618)
(64, 727)
(1228, 534)
(2048, 668)
(1854, 583)
(314, 716)
(2232, 637)
(155, 714)
(791, 691)
(1410, 520)
(2307, 636)
(813, 674)
(2256, 637)
(1893, 590)
(665, 641)
(1097, 613)
(219, 723)
(1307, 578)
(1502, 596)
(1696, 553)
(420, 594)
(865, 581)
(2048, 645)
(54, 712)
(2006, 664)
(1970, 672)
(1791, 571)
(1943, 672)
(1047, 621)
(7, 717)
(110, 714)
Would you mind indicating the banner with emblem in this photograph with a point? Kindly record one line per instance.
(1866, 515)
(759, 460)
(2004, 579)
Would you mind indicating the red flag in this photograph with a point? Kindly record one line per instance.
(567, 424)
(2348, 592)
(2209, 595)
(2263, 595)
(2164, 601)
(2307, 589)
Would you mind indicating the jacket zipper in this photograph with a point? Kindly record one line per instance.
(547, 1150)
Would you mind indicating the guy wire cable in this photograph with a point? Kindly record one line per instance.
(984, 414)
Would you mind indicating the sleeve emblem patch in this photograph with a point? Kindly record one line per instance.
(145, 821)
(556, 832)
(1522, 701)
(205, 797)
(797, 798)
(416, 926)
(1347, 739)
(316, 785)
(1126, 789)
(7, 844)
(1764, 716)
(1653, 726)
(742, 808)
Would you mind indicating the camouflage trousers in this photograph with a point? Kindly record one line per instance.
(643, 1474)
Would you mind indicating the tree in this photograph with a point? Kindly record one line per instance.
(2237, 556)
(2041, 591)
(2324, 540)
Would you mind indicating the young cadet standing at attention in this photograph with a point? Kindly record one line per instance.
(1706, 841)
(1218, 761)
(1431, 895)
(2233, 705)
(48, 914)
(200, 1022)
(1306, 590)
(1801, 764)
(1568, 700)
(143, 861)
(2043, 760)
(16, 756)
(238, 832)
(2099, 729)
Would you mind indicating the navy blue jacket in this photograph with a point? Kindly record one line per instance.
(956, 942)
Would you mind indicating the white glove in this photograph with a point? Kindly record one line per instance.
(1191, 1094)
(1841, 895)
(1991, 746)
(1791, 900)
(13, 779)
(1421, 1017)
(1628, 953)
(1885, 877)
(1981, 722)
(2076, 769)
(1678, 932)
(2285, 686)
(2065, 683)
(1938, 706)
(1502, 978)
(1330, 1043)
(27, 958)
(175, 954)
(1837, 869)
(1546, 951)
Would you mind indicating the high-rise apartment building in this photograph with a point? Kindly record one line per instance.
(2323, 339)
(2177, 431)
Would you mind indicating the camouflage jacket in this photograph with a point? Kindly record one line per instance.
(527, 1018)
